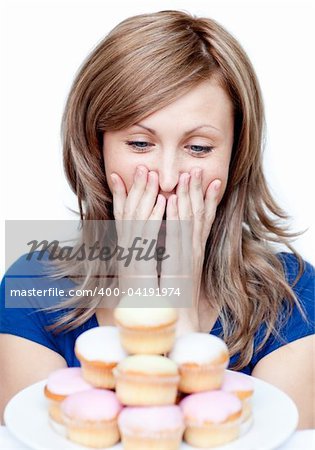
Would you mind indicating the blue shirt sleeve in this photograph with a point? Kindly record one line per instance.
(23, 315)
(20, 315)
(295, 327)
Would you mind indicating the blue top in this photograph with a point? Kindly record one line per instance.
(20, 315)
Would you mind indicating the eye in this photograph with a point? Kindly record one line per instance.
(196, 150)
(200, 149)
(140, 146)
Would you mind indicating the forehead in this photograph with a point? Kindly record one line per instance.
(207, 102)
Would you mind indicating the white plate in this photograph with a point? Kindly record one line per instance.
(275, 419)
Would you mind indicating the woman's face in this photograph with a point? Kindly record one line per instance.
(176, 139)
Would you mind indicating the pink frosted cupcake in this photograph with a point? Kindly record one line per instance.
(202, 359)
(156, 427)
(242, 386)
(212, 418)
(60, 384)
(91, 418)
(99, 351)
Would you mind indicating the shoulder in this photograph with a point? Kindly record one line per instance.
(37, 263)
(27, 281)
(29, 266)
(291, 268)
(304, 289)
(295, 326)
(27, 288)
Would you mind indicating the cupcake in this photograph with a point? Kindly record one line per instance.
(146, 380)
(151, 427)
(202, 359)
(99, 351)
(242, 386)
(148, 330)
(60, 384)
(91, 417)
(212, 418)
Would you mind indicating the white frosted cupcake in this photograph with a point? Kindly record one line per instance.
(60, 384)
(212, 418)
(146, 380)
(148, 330)
(242, 386)
(151, 427)
(99, 351)
(202, 359)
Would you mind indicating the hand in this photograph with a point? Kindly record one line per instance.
(190, 216)
(138, 214)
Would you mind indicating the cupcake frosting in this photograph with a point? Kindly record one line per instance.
(144, 317)
(94, 404)
(237, 381)
(148, 364)
(100, 344)
(144, 420)
(67, 381)
(210, 406)
(200, 348)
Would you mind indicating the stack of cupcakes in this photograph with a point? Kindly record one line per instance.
(147, 382)
(137, 394)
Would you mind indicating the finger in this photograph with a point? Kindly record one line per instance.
(171, 208)
(185, 215)
(148, 199)
(119, 199)
(182, 192)
(153, 224)
(145, 207)
(211, 203)
(173, 237)
(159, 208)
(133, 227)
(198, 205)
(119, 196)
(136, 192)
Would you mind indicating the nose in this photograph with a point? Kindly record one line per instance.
(169, 172)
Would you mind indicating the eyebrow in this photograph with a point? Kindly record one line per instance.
(186, 132)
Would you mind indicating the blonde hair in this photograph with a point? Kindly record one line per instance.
(145, 63)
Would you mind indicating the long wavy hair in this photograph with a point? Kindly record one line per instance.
(146, 62)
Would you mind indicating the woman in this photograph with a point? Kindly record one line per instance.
(165, 119)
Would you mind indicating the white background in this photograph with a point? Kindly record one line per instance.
(45, 42)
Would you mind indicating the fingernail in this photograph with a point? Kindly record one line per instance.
(139, 171)
(151, 176)
(160, 198)
(216, 185)
(198, 174)
(113, 178)
(185, 179)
